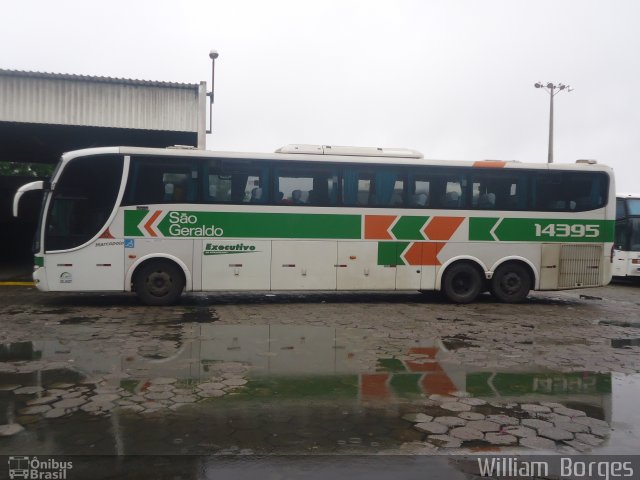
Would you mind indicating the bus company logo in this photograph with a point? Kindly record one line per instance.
(65, 277)
(33, 468)
(184, 224)
(218, 249)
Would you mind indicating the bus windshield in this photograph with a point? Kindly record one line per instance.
(634, 206)
(634, 234)
(82, 200)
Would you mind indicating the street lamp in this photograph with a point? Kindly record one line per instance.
(213, 54)
(553, 90)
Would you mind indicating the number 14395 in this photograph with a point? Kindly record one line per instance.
(560, 230)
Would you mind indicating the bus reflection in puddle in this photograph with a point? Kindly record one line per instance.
(313, 379)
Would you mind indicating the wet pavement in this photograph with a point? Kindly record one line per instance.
(319, 374)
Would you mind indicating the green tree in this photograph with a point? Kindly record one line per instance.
(36, 170)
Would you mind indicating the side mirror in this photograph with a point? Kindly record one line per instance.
(39, 185)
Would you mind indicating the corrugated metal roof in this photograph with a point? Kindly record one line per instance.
(92, 78)
(61, 99)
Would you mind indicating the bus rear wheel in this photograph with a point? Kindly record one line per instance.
(511, 283)
(159, 282)
(462, 283)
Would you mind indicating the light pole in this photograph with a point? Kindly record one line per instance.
(553, 90)
(213, 54)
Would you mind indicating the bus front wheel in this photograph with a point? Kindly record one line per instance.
(462, 283)
(159, 282)
(511, 283)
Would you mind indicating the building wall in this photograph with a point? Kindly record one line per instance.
(100, 102)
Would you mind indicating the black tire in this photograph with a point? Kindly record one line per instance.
(462, 283)
(159, 282)
(511, 283)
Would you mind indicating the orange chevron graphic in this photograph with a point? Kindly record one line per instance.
(147, 226)
(438, 383)
(442, 228)
(375, 386)
(422, 367)
(106, 234)
(417, 366)
(376, 227)
(489, 164)
(430, 352)
(413, 256)
(423, 253)
(435, 382)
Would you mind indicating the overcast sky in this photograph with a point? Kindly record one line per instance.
(451, 78)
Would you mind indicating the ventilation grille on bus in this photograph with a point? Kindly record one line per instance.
(580, 266)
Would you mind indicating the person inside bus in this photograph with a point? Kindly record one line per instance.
(312, 197)
(420, 199)
(487, 201)
(256, 195)
(180, 191)
(296, 197)
(452, 200)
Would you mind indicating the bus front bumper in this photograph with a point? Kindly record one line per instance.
(40, 278)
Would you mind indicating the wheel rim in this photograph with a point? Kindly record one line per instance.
(159, 283)
(511, 283)
(462, 283)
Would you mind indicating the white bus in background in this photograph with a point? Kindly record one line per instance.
(626, 253)
(163, 221)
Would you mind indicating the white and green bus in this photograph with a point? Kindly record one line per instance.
(626, 250)
(163, 221)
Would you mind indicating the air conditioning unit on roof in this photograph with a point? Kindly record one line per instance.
(350, 151)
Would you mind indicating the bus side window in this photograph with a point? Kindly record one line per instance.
(453, 195)
(569, 191)
(620, 209)
(418, 191)
(235, 182)
(622, 235)
(502, 190)
(157, 180)
(357, 187)
(548, 193)
(305, 184)
(176, 188)
(389, 189)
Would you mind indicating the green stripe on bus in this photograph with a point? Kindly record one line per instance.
(389, 253)
(406, 383)
(480, 228)
(38, 261)
(488, 384)
(540, 230)
(259, 225)
(409, 228)
(132, 219)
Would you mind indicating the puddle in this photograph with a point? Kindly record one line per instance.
(18, 351)
(55, 311)
(199, 314)
(619, 323)
(455, 342)
(260, 389)
(77, 320)
(625, 342)
(625, 420)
